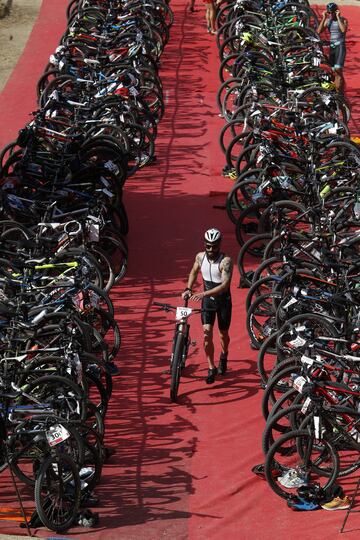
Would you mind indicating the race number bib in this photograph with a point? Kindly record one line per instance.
(182, 312)
(57, 434)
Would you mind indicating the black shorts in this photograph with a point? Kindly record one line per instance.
(223, 306)
(337, 55)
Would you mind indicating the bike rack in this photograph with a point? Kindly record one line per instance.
(350, 509)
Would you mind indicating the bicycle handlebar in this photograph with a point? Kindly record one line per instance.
(168, 307)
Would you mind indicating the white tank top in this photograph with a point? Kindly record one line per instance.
(210, 270)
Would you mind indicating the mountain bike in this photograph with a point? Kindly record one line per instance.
(181, 342)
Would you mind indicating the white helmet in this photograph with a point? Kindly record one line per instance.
(212, 236)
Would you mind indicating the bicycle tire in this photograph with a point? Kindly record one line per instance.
(56, 469)
(300, 438)
(176, 364)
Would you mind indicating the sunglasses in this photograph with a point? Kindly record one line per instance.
(212, 247)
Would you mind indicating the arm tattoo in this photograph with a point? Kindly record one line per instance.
(227, 267)
(199, 258)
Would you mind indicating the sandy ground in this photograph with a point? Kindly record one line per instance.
(14, 32)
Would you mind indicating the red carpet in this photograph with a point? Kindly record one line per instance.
(181, 471)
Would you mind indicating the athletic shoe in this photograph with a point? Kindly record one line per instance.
(222, 367)
(301, 505)
(337, 504)
(211, 375)
(233, 176)
(293, 478)
(259, 470)
(314, 493)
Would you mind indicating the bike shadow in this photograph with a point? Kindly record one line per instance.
(237, 384)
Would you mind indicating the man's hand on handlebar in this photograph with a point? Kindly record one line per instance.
(198, 296)
(188, 295)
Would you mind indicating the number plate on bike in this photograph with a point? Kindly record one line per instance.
(298, 383)
(57, 434)
(182, 312)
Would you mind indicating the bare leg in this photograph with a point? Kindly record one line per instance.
(207, 17)
(212, 18)
(209, 345)
(339, 80)
(224, 340)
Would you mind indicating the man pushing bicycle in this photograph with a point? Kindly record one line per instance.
(216, 268)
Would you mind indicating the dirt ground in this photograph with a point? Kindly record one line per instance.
(14, 32)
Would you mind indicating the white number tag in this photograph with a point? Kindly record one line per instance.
(133, 91)
(355, 434)
(300, 327)
(57, 434)
(297, 342)
(111, 166)
(94, 232)
(317, 426)
(305, 407)
(299, 383)
(182, 312)
(290, 303)
(306, 360)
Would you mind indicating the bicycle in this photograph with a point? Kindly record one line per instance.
(181, 342)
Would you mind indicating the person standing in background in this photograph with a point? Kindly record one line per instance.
(210, 14)
(337, 26)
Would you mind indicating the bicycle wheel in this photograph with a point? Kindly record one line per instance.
(254, 247)
(288, 214)
(64, 397)
(261, 319)
(92, 466)
(342, 428)
(58, 492)
(247, 225)
(276, 387)
(298, 452)
(262, 286)
(281, 423)
(28, 449)
(176, 364)
(301, 330)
